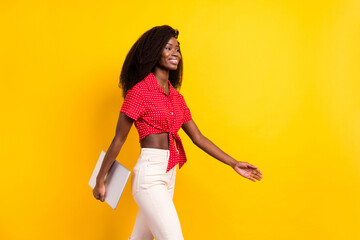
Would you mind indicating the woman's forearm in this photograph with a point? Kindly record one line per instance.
(210, 148)
(122, 129)
(109, 159)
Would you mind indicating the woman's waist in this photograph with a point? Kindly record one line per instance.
(155, 155)
(157, 140)
(145, 129)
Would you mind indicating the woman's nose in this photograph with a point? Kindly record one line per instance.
(175, 53)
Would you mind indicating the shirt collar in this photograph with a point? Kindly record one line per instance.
(152, 84)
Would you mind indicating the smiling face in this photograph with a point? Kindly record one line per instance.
(170, 56)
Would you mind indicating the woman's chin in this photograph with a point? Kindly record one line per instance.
(173, 68)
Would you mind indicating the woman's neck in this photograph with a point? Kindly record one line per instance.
(162, 76)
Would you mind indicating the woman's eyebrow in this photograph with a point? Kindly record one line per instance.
(171, 44)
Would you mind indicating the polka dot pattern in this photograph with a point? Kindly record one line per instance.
(154, 111)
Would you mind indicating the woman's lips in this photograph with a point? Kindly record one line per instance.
(174, 61)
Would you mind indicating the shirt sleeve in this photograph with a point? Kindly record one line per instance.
(133, 105)
(186, 111)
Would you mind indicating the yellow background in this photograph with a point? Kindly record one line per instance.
(273, 83)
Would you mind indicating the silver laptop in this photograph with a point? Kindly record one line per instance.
(115, 180)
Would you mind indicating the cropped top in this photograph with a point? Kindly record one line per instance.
(154, 111)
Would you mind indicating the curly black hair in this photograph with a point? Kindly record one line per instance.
(144, 55)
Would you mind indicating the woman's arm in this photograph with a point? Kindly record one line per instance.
(122, 130)
(244, 169)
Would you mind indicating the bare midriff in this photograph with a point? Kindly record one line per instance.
(158, 140)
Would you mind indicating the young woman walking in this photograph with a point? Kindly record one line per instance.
(150, 75)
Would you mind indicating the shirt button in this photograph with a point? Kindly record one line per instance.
(172, 113)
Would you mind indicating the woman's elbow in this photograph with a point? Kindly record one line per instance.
(198, 139)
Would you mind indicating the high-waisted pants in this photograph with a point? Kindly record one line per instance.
(153, 189)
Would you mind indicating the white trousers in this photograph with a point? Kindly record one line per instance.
(153, 190)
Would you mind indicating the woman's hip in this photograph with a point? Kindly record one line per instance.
(150, 171)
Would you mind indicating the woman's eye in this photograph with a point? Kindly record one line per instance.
(178, 50)
(167, 48)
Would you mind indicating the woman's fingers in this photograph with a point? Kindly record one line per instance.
(253, 175)
(252, 166)
(98, 195)
(251, 179)
(258, 171)
(248, 171)
(256, 177)
(255, 169)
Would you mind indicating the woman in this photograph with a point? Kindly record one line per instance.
(151, 72)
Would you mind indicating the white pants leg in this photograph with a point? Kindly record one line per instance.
(153, 190)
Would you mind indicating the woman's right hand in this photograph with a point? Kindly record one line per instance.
(99, 191)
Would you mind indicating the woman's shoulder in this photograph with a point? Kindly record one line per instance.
(178, 94)
(139, 87)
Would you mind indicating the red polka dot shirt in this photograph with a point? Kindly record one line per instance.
(154, 111)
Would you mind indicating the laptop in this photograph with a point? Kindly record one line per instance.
(115, 180)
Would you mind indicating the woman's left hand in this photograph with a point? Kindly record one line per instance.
(248, 171)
